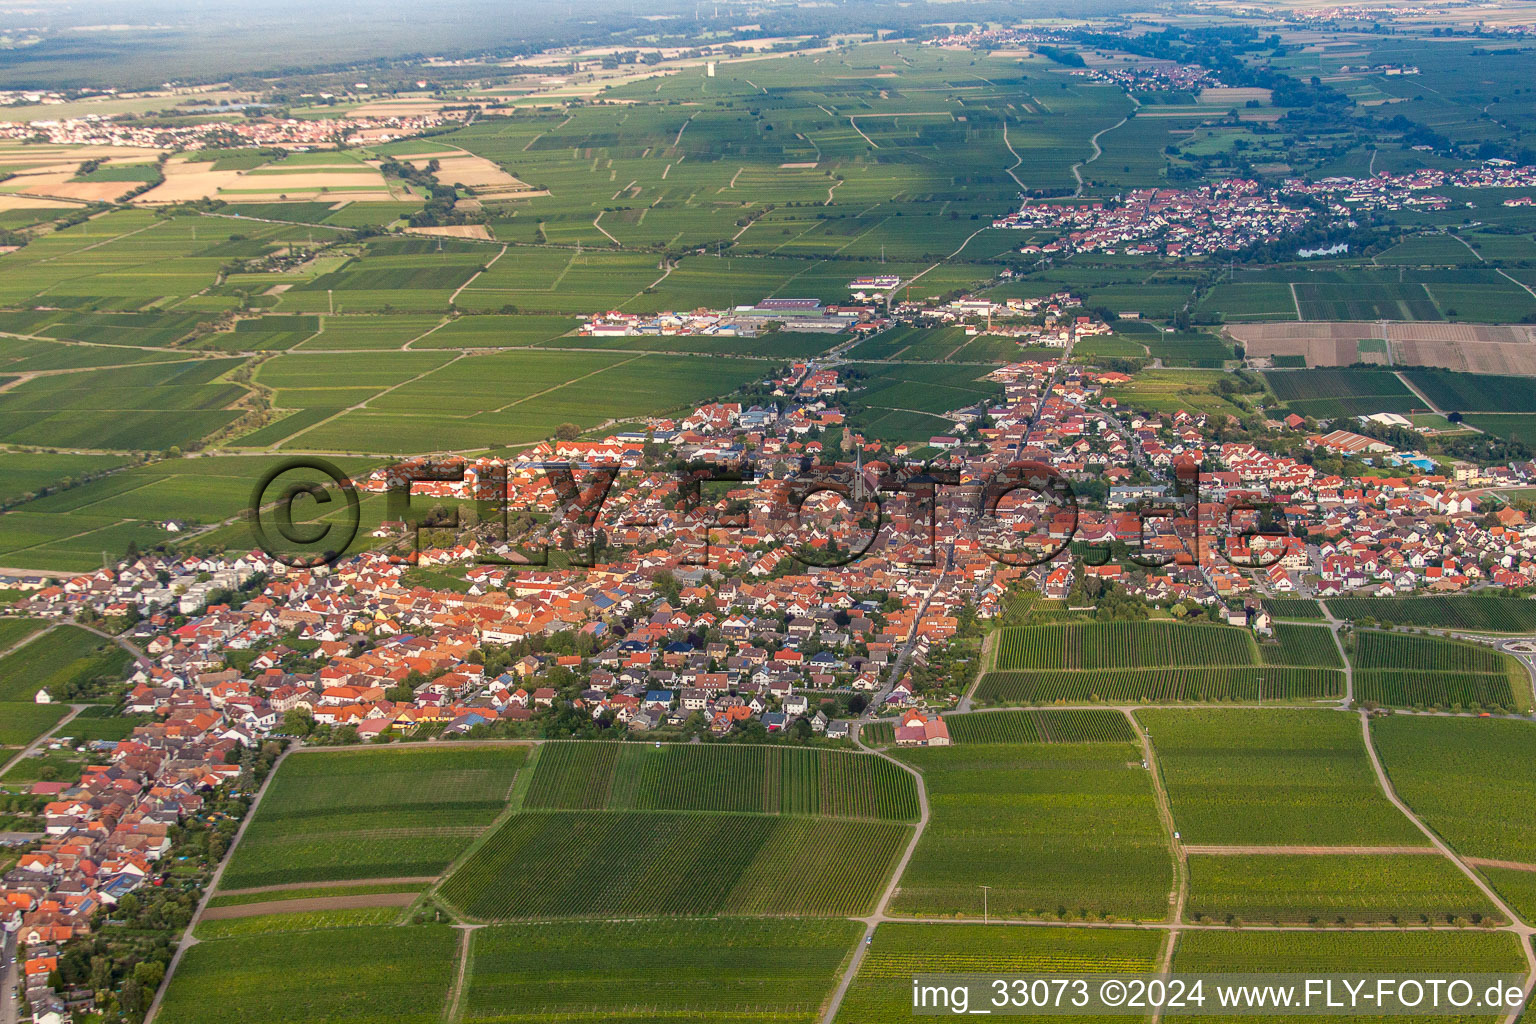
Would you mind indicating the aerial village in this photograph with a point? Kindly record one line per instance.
(743, 616)
(1237, 213)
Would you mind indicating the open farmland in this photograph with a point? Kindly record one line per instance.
(372, 814)
(1156, 662)
(1469, 348)
(598, 864)
(1017, 818)
(1333, 889)
(1272, 778)
(67, 661)
(689, 777)
(71, 527)
(1030, 726)
(882, 990)
(1483, 612)
(1470, 807)
(631, 815)
(1427, 671)
(1474, 392)
(742, 970)
(433, 401)
(303, 977)
(1327, 394)
(1396, 953)
(21, 723)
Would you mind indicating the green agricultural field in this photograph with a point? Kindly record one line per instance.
(751, 971)
(1488, 613)
(1467, 807)
(310, 892)
(13, 631)
(1299, 645)
(147, 407)
(898, 402)
(1084, 662)
(1520, 428)
(690, 777)
(364, 975)
(372, 814)
(1407, 670)
(1294, 608)
(1192, 349)
(394, 330)
(1238, 302)
(133, 505)
(1381, 952)
(1329, 393)
(1365, 301)
(1169, 391)
(301, 921)
(482, 401)
(1333, 889)
(496, 332)
(1030, 726)
(882, 990)
(1474, 392)
(28, 473)
(21, 723)
(67, 662)
(550, 864)
(1017, 818)
(1273, 778)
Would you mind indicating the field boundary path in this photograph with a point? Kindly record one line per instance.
(454, 297)
(455, 1010)
(873, 921)
(30, 748)
(1334, 625)
(1180, 894)
(139, 657)
(187, 940)
(1094, 142)
(333, 884)
(1308, 851)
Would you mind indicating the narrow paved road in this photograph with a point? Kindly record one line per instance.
(29, 749)
(873, 921)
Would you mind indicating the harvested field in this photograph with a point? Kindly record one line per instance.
(454, 231)
(1234, 96)
(1320, 344)
(1474, 348)
(458, 167)
(54, 180)
(20, 201)
(186, 180)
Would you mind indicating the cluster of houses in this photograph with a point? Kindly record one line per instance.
(1224, 217)
(107, 833)
(1159, 76)
(293, 133)
(1410, 190)
(1236, 213)
(795, 315)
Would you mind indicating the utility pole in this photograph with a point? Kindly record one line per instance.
(984, 890)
